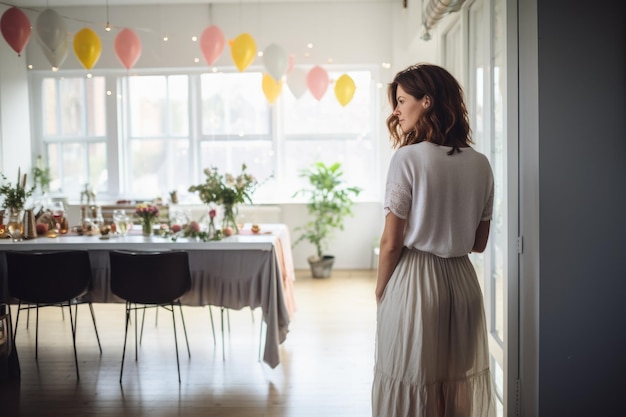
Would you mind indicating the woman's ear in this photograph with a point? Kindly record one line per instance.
(426, 102)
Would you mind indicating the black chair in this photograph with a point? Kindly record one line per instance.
(44, 279)
(147, 280)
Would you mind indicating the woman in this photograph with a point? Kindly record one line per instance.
(432, 356)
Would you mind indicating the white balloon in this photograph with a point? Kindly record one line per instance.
(296, 81)
(276, 61)
(56, 58)
(51, 29)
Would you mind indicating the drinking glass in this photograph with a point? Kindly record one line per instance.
(58, 210)
(121, 220)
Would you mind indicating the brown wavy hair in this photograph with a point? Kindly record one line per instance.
(445, 122)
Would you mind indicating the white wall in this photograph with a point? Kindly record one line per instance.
(361, 33)
(14, 112)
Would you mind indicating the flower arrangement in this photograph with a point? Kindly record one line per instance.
(226, 189)
(148, 214)
(15, 196)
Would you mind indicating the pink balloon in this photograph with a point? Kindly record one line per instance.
(15, 28)
(127, 47)
(212, 43)
(317, 81)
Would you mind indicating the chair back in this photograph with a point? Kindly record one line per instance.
(149, 277)
(48, 277)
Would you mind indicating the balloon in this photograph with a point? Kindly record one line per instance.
(56, 58)
(276, 61)
(15, 28)
(243, 50)
(127, 47)
(317, 81)
(344, 89)
(271, 88)
(296, 81)
(51, 30)
(212, 44)
(87, 47)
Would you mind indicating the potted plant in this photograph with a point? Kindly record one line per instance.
(329, 202)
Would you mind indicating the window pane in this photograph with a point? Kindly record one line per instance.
(356, 156)
(327, 132)
(96, 106)
(158, 106)
(306, 116)
(158, 166)
(72, 106)
(233, 104)
(98, 172)
(74, 168)
(50, 106)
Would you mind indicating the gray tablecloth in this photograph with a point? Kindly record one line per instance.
(228, 278)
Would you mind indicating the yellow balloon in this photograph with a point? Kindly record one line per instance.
(271, 88)
(243, 50)
(87, 47)
(344, 89)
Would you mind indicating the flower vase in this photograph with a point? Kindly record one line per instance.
(15, 227)
(211, 229)
(229, 220)
(146, 227)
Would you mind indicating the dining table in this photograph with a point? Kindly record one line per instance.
(247, 269)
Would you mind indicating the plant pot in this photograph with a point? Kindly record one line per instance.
(321, 267)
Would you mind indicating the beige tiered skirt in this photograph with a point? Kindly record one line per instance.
(432, 356)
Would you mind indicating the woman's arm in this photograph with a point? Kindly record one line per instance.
(391, 244)
(482, 235)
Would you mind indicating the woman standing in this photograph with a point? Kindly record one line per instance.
(432, 356)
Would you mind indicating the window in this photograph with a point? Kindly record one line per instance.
(156, 140)
(73, 132)
(144, 135)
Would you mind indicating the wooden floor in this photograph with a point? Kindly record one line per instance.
(326, 361)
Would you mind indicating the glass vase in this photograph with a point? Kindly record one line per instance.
(229, 220)
(15, 226)
(146, 226)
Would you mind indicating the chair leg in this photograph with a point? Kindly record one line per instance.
(95, 327)
(175, 341)
(143, 319)
(73, 325)
(212, 325)
(125, 338)
(37, 334)
(184, 327)
(136, 324)
(223, 350)
(261, 336)
(17, 318)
